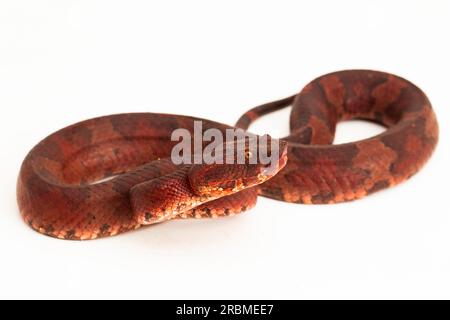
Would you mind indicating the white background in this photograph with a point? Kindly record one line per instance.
(66, 61)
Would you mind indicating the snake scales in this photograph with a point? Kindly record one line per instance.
(58, 196)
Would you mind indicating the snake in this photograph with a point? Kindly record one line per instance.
(111, 174)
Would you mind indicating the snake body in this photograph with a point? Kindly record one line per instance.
(58, 194)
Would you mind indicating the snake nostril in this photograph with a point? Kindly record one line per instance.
(148, 216)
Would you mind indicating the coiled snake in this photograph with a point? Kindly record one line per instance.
(58, 196)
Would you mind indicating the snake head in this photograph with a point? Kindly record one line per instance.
(250, 164)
